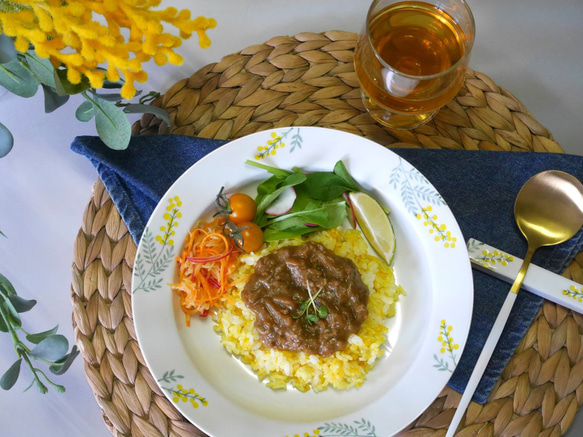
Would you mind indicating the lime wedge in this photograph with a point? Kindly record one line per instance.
(375, 225)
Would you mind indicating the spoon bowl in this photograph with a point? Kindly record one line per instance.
(549, 208)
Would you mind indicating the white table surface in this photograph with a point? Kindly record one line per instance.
(530, 47)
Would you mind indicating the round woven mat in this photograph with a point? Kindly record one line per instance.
(304, 80)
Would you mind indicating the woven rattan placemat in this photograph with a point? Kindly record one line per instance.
(308, 79)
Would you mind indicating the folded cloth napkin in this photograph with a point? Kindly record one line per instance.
(479, 186)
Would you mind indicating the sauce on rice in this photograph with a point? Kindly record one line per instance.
(293, 284)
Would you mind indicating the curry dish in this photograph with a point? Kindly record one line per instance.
(306, 299)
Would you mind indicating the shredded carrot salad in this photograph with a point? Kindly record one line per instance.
(204, 267)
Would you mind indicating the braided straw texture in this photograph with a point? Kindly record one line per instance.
(308, 79)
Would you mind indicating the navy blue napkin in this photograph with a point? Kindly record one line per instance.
(479, 186)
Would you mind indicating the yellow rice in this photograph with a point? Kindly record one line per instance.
(342, 370)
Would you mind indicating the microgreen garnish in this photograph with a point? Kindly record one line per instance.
(312, 309)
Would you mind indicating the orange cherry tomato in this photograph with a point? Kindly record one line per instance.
(243, 208)
(252, 236)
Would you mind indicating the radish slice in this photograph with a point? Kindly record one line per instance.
(283, 203)
(351, 207)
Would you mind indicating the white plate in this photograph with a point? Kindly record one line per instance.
(431, 263)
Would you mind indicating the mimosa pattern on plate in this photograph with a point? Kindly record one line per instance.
(177, 392)
(447, 349)
(157, 249)
(419, 197)
(276, 142)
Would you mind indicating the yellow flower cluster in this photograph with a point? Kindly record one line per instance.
(172, 216)
(271, 148)
(446, 339)
(187, 395)
(441, 230)
(119, 35)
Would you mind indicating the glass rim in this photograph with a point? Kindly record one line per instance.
(429, 76)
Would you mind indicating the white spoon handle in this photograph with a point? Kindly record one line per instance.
(482, 362)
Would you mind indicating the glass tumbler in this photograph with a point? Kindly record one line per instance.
(411, 58)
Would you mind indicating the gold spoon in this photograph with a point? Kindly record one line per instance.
(548, 211)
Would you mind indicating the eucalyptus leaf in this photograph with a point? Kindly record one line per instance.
(17, 79)
(53, 100)
(64, 87)
(6, 286)
(147, 109)
(6, 140)
(85, 111)
(116, 97)
(20, 304)
(62, 365)
(51, 348)
(41, 68)
(112, 125)
(108, 85)
(37, 338)
(3, 326)
(7, 50)
(9, 311)
(11, 375)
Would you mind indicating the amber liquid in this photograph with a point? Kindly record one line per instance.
(415, 47)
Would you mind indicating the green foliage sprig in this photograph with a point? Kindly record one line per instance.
(46, 347)
(23, 73)
(312, 309)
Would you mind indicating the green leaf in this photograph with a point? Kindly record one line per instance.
(110, 97)
(51, 348)
(53, 100)
(85, 111)
(312, 318)
(17, 79)
(273, 170)
(341, 171)
(11, 375)
(9, 311)
(41, 68)
(108, 85)
(273, 235)
(147, 109)
(62, 365)
(264, 200)
(6, 286)
(20, 304)
(37, 338)
(7, 50)
(64, 87)
(325, 185)
(113, 126)
(6, 140)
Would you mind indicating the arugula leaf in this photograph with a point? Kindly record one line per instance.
(275, 190)
(274, 235)
(325, 185)
(273, 170)
(341, 171)
(318, 205)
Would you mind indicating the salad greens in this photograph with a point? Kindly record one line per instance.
(319, 203)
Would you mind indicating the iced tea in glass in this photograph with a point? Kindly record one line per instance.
(411, 58)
